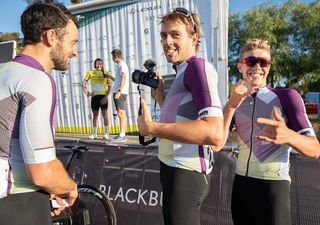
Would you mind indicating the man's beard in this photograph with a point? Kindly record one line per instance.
(58, 59)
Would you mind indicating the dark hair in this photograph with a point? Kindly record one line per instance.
(40, 17)
(116, 52)
(97, 60)
(192, 24)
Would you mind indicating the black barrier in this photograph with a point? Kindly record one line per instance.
(130, 177)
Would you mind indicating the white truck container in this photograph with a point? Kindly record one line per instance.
(132, 26)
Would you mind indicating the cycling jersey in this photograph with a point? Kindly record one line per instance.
(193, 95)
(99, 84)
(261, 159)
(27, 102)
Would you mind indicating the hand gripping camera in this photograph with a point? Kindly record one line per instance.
(146, 78)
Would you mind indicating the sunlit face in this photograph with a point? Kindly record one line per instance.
(98, 65)
(66, 48)
(177, 44)
(256, 76)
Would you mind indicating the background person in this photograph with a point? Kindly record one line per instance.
(120, 92)
(191, 119)
(101, 84)
(261, 188)
(28, 164)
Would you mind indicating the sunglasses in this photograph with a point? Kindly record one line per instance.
(251, 61)
(185, 13)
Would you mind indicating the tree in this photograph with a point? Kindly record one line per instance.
(292, 29)
(12, 37)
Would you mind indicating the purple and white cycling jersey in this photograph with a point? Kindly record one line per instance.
(27, 100)
(261, 159)
(192, 95)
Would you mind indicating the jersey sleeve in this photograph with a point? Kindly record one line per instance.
(295, 112)
(201, 80)
(88, 75)
(35, 128)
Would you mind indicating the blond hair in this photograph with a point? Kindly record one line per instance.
(254, 43)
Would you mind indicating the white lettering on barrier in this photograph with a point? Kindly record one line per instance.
(134, 196)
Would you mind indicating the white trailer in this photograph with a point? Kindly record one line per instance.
(133, 26)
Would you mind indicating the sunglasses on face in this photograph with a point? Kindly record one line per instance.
(185, 13)
(251, 61)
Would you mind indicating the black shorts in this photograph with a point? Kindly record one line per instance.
(120, 103)
(32, 208)
(183, 194)
(96, 103)
(263, 202)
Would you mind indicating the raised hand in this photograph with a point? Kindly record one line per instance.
(275, 131)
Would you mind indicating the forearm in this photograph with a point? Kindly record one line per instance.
(51, 177)
(306, 145)
(228, 113)
(199, 132)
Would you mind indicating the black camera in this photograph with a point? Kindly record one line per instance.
(147, 78)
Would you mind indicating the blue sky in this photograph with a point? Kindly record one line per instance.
(12, 9)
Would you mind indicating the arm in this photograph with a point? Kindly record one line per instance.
(206, 131)
(53, 178)
(158, 92)
(276, 132)
(105, 99)
(84, 88)
(121, 85)
(238, 93)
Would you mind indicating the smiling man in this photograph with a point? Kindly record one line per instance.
(191, 120)
(29, 169)
(261, 188)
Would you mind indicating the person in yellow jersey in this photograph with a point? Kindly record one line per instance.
(101, 86)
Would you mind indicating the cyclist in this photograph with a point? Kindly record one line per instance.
(29, 168)
(101, 84)
(261, 188)
(191, 119)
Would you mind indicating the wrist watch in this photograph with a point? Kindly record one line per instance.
(119, 90)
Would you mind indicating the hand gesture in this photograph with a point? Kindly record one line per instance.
(239, 92)
(275, 131)
(144, 120)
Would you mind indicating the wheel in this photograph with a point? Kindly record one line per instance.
(99, 206)
(92, 207)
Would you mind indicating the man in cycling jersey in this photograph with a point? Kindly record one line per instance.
(267, 120)
(101, 84)
(29, 168)
(191, 119)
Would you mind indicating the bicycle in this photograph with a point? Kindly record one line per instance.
(92, 207)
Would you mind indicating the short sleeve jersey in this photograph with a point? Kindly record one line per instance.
(193, 95)
(99, 84)
(261, 159)
(121, 68)
(27, 102)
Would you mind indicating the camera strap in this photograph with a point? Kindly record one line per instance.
(142, 138)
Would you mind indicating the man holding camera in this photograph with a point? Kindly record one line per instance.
(191, 120)
(120, 92)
